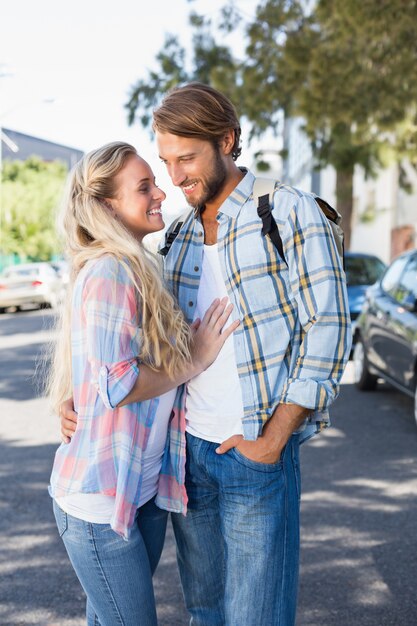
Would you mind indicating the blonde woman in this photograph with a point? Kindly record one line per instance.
(123, 351)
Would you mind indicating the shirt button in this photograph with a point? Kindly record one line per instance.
(200, 234)
(196, 268)
(190, 303)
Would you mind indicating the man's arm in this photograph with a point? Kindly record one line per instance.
(317, 282)
(268, 447)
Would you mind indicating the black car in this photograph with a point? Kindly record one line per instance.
(386, 331)
(362, 271)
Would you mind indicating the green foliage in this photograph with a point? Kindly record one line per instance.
(346, 67)
(145, 94)
(212, 63)
(31, 190)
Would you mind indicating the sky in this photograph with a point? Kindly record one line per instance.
(83, 56)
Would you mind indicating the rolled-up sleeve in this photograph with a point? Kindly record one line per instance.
(116, 381)
(113, 334)
(318, 284)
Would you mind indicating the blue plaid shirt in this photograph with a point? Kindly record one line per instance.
(294, 338)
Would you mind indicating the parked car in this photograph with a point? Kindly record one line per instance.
(28, 284)
(362, 271)
(386, 332)
(62, 269)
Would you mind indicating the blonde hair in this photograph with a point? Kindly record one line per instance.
(90, 230)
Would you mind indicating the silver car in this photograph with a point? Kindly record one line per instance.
(30, 284)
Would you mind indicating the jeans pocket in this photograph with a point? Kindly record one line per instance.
(256, 465)
(61, 519)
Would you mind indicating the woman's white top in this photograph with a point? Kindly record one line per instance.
(97, 508)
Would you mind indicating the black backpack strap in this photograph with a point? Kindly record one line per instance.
(170, 238)
(173, 231)
(269, 225)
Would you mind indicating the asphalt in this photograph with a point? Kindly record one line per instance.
(359, 506)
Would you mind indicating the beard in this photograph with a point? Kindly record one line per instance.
(214, 182)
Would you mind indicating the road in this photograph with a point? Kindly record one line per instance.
(359, 506)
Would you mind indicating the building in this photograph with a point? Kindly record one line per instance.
(384, 215)
(19, 146)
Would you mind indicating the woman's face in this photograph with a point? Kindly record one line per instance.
(138, 200)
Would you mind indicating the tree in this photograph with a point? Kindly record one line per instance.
(347, 69)
(30, 192)
(345, 66)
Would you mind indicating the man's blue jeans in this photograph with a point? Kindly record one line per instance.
(116, 574)
(238, 546)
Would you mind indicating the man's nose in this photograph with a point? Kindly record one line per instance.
(176, 174)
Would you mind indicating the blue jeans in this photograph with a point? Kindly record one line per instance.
(115, 574)
(238, 546)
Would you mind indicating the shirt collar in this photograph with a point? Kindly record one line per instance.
(240, 194)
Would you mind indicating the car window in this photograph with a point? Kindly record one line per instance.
(406, 291)
(363, 270)
(17, 272)
(50, 271)
(391, 279)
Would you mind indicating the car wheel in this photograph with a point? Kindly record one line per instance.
(364, 380)
(53, 301)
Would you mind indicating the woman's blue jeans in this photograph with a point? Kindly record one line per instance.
(238, 546)
(115, 574)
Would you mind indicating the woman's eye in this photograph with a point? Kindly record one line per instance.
(144, 189)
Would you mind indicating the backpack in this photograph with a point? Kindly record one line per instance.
(264, 189)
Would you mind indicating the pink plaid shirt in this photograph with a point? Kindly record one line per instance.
(106, 452)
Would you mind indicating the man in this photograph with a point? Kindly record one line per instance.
(271, 385)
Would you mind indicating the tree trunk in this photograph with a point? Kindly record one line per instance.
(344, 200)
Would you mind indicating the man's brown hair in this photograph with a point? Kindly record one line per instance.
(199, 111)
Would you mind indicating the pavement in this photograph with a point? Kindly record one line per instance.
(359, 506)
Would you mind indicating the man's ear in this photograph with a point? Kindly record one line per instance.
(227, 142)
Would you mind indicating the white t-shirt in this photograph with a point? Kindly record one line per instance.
(98, 508)
(214, 397)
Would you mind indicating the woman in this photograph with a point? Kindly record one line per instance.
(123, 350)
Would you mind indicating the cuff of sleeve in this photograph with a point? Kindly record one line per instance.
(309, 393)
(314, 424)
(116, 381)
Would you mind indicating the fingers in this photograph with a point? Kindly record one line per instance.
(68, 420)
(195, 325)
(207, 316)
(66, 411)
(217, 313)
(67, 405)
(68, 427)
(226, 332)
(230, 443)
(69, 416)
(66, 435)
(222, 319)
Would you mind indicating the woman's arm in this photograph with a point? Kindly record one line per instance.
(208, 340)
(207, 343)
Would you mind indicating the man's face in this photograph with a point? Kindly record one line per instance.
(194, 165)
